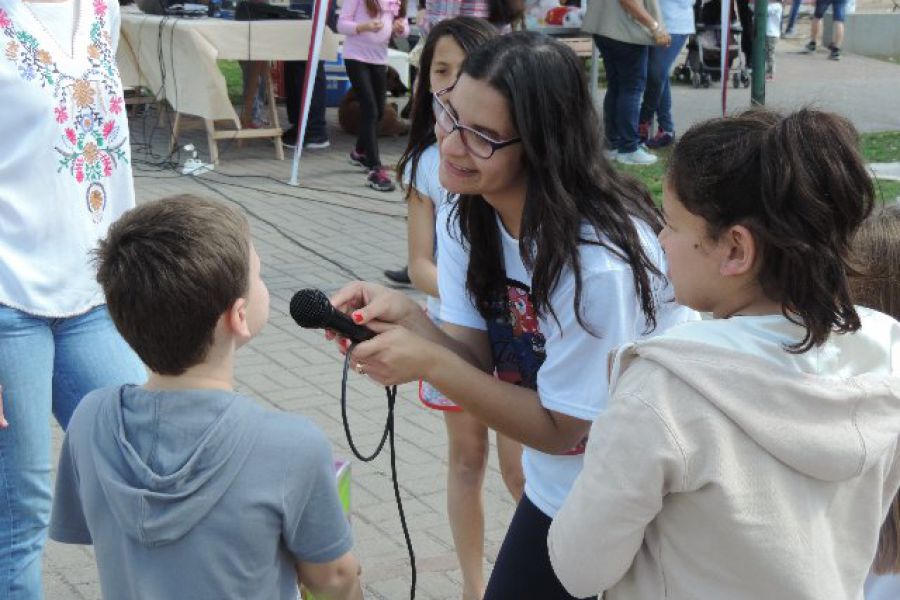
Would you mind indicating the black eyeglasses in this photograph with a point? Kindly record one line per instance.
(475, 142)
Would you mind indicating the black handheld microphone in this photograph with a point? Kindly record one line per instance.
(311, 309)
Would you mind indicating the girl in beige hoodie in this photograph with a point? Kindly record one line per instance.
(753, 456)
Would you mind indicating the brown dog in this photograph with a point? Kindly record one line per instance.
(349, 113)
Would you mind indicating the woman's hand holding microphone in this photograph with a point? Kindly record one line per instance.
(404, 348)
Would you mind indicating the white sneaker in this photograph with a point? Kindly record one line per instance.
(638, 157)
(610, 154)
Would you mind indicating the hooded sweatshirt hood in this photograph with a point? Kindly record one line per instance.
(176, 455)
(831, 423)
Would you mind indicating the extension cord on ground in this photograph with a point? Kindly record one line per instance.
(193, 166)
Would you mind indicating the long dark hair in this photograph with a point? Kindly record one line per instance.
(800, 185)
(469, 33)
(570, 182)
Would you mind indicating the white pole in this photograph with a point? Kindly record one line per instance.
(312, 66)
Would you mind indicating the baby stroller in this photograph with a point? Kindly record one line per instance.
(702, 65)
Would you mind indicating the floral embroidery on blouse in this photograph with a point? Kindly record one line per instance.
(91, 143)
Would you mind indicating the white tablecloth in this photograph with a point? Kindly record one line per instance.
(176, 58)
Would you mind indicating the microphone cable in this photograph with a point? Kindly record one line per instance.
(388, 435)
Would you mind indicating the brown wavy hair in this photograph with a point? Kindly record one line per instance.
(877, 251)
(799, 183)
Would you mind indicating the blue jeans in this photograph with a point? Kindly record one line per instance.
(657, 93)
(838, 8)
(626, 74)
(45, 365)
(795, 10)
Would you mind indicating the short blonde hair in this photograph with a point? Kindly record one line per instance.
(877, 249)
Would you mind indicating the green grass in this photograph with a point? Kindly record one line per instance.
(876, 147)
(234, 79)
(882, 147)
(887, 190)
(652, 176)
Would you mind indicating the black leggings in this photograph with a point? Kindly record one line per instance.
(523, 567)
(370, 85)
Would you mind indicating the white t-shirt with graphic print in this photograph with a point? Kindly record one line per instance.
(65, 172)
(570, 363)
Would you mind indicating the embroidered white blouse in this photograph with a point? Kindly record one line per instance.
(65, 161)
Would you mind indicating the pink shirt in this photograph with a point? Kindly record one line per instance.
(369, 46)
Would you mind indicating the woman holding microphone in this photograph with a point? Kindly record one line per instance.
(549, 261)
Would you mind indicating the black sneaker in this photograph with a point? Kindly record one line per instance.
(380, 180)
(316, 143)
(835, 53)
(400, 276)
(289, 138)
(810, 47)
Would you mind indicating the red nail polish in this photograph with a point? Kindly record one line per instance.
(357, 317)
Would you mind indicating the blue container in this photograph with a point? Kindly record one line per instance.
(336, 88)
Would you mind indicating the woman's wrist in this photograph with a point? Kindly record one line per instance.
(438, 360)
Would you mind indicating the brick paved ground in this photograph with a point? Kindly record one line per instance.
(332, 229)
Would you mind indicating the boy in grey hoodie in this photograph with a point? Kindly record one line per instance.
(185, 488)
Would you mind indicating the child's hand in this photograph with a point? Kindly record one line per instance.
(373, 25)
(3, 423)
(397, 28)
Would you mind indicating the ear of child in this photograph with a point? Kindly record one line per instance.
(235, 322)
(739, 252)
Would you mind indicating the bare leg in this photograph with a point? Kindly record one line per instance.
(837, 38)
(814, 29)
(509, 453)
(468, 449)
